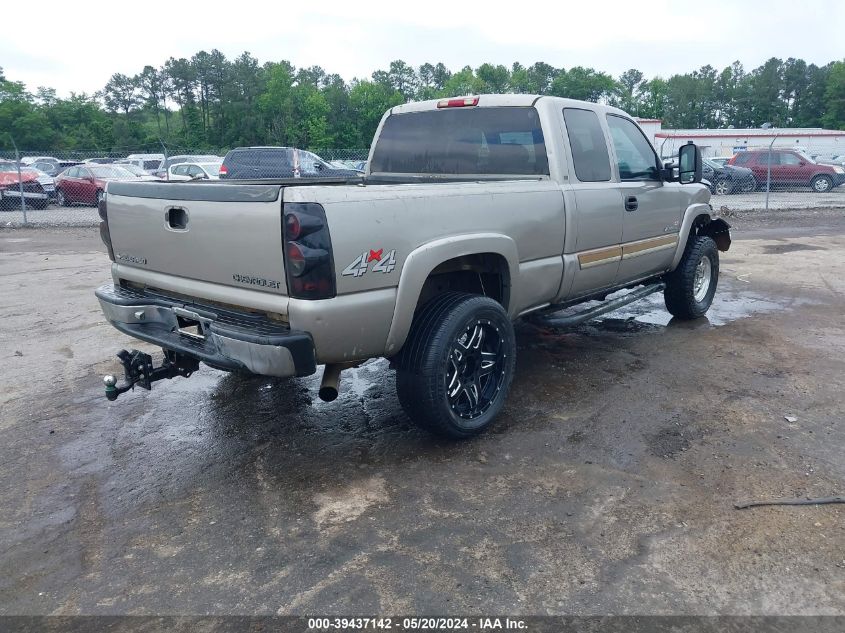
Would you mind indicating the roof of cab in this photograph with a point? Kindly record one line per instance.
(501, 100)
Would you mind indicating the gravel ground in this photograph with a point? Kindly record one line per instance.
(607, 486)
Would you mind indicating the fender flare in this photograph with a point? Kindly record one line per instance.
(424, 259)
(696, 216)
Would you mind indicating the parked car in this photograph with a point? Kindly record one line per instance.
(149, 167)
(161, 172)
(29, 160)
(152, 156)
(11, 185)
(100, 160)
(46, 181)
(194, 171)
(48, 167)
(357, 165)
(278, 162)
(831, 159)
(720, 160)
(789, 168)
(725, 179)
(85, 184)
(140, 173)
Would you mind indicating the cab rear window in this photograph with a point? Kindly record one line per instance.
(462, 141)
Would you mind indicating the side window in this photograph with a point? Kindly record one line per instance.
(789, 159)
(84, 173)
(180, 170)
(634, 154)
(589, 148)
(742, 158)
(73, 172)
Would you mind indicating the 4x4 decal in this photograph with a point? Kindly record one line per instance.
(385, 263)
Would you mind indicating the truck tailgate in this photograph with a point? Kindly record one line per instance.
(220, 233)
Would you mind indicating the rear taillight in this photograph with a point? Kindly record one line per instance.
(224, 171)
(308, 251)
(104, 224)
(458, 103)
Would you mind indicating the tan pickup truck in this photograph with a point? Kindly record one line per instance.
(473, 212)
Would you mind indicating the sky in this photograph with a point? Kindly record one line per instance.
(77, 46)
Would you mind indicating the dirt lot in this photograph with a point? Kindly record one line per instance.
(606, 487)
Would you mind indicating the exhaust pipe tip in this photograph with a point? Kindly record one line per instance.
(327, 394)
(330, 383)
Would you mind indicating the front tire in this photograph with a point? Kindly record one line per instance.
(821, 184)
(97, 197)
(61, 198)
(691, 286)
(457, 365)
(723, 187)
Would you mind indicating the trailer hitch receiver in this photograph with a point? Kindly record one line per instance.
(138, 370)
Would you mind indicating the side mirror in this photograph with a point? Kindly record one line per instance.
(689, 164)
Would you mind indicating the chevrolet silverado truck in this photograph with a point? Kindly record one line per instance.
(472, 213)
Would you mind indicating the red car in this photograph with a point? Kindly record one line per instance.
(789, 168)
(10, 188)
(86, 183)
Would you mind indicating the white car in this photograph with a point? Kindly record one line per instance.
(132, 168)
(148, 162)
(194, 171)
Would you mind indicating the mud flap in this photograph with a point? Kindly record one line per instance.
(720, 231)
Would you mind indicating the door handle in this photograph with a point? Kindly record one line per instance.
(631, 203)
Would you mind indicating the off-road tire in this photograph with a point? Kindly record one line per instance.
(680, 295)
(427, 362)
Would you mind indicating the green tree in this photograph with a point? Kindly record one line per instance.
(368, 101)
(630, 85)
(493, 79)
(835, 97)
(583, 83)
(121, 94)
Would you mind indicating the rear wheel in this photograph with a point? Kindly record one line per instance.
(691, 286)
(457, 364)
(748, 186)
(821, 184)
(97, 197)
(61, 199)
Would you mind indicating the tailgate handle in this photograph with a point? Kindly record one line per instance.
(177, 218)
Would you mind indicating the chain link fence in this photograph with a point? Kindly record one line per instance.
(52, 188)
(773, 175)
(61, 188)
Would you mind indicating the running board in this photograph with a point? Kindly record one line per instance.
(602, 308)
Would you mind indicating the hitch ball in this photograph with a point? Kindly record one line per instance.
(111, 391)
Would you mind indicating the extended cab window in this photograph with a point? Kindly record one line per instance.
(454, 141)
(634, 154)
(589, 148)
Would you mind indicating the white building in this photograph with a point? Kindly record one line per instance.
(729, 141)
